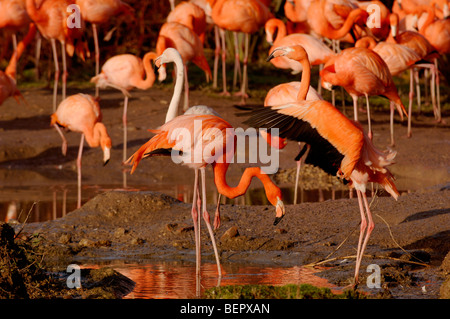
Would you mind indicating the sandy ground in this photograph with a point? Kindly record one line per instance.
(410, 241)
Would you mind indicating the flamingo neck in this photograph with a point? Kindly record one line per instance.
(97, 136)
(305, 80)
(332, 33)
(366, 42)
(149, 73)
(220, 170)
(278, 26)
(172, 112)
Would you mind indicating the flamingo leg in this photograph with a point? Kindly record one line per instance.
(80, 153)
(438, 92)
(64, 74)
(355, 107)
(237, 65)
(369, 122)
(37, 56)
(217, 214)
(208, 223)
(97, 55)
(64, 144)
(224, 68)
(55, 84)
(366, 226)
(416, 79)
(391, 120)
(195, 216)
(125, 132)
(243, 93)
(186, 89)
(216, 55)
(411, 96)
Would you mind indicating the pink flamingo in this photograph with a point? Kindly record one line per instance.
(99, 12)
(125, 72)
(81, 113)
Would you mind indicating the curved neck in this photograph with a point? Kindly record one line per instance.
(95, 136)
(332, 33)
(220, 170)
(278, 26)
(430, 17)
(149, 73)
(305, 81)
(366, 42)
(172, 111)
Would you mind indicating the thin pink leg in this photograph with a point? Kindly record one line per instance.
(411, 97)
(186, 89)
(125, 129)
(217, 214)
(64, 74)
(97, 55)
(64, 144)
(369, 122)
(216, 55)
(224, 67)
(208, 223)
(237, 65)
(195, 216)
(56, 80)
(80, 153)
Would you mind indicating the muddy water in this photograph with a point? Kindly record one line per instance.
(177, 280)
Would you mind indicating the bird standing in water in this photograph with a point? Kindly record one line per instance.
(337, 145)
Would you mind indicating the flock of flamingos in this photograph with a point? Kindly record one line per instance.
(386, 42)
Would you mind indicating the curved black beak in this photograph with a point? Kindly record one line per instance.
(277, 220)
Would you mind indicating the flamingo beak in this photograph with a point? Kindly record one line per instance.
(106, 155)
(280, 211)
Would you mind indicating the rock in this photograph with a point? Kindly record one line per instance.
(281, 231)
(120, 232)
(446, 264)
(444, 292)
(137, 241)
(230, 233)
(65, 239)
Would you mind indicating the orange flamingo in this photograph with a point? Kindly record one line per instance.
(172, 55)
(437, 32)
(318, 52)
(198, 129)
(8, 78)
(285, 93)
(125, 72)
(326, 24)
(190, 15)
(239, 16)
(98, 12)
(13, 16)
(398, 58)
(51, 19)
(188, 44)
(296, 13)
(361, 71)
(337, 145)
(419, 44)
(81, 113)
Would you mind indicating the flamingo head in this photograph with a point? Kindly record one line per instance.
(280, 211)
(295, 52)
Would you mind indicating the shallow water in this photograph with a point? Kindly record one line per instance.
(43, 203)
(177, 280)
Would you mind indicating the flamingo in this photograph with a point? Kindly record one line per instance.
(337, 145)
(188, 44)
(13, 16)
(99, 12)
(318, 52)
(8, 78)
(206, 132)
(296, 13)
(361, 71)
(239, 16)
(398, 58)
(325, 22)
(51, 20)
(190, 15)
(286, 93)
(437, 32)
(172, 55)
(81, 113)
(125, 72)
(419, 44)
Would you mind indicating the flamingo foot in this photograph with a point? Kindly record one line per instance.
(217, 220)
(225, 93)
